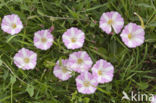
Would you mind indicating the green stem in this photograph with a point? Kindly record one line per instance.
(104, 91)
(11, 93)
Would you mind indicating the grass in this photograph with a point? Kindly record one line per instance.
(135, 69)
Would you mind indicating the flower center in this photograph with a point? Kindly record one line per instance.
(99, 72)
(26, 60)
(110, 22)
(129, 36)
(73, 40)
(13, 26)
(86, 83)
(79, 61)
(64, 69)
(43, 40)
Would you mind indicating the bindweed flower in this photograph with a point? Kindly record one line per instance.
(80, 61)
(153, 99)
(103, 71)
(111, 20)
(86, 83)
(25, 59)
(73, 38)
(133, 35)
(43, 39)
(11, 24)
(61, 70)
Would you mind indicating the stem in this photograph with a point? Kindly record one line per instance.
(141, 20)
(150, 17)
(11, 93)
(14, 73)
(52, 18)
(103, 91)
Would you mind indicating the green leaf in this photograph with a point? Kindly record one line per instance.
(1, 62)
(74, 95)
(143, 85)
(10, 38)
(74, 14)
(101, 52)
(150, 38)
(49, 63)
(145, 5)
(30, 90)
(12, 79)
(86, 100)
(152, 24)
(40, 12)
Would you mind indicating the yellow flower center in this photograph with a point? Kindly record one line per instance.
(86, 83)
(110, 22)
(99, 72)
(13, 26)
(64, 69)
(43, 40)
(129, 35)
(79, 61)
(73, 40)
(26, 60)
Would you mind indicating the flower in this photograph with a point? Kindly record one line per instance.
(86, 83)
(11, 24)
(80, 61)
(61, 70)
(154, 99)
(43, 39)
(133, 35)
(103, 71)
(111, 20)
(73, 38)
(25, 59)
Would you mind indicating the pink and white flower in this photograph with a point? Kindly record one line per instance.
(103, 71)
(80, 61)
(61, 70)
(133, 35)
(73, 38)
(43, 39)
(25, 59)
(11, 24)
(111, 20)
(86, 83)
(153, 99)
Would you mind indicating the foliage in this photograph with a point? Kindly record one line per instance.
(135, 69)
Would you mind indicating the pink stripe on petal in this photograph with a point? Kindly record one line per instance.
(87, 91)
(68, 33)
(81, 40)
(107, 65)
(5, 22)
(17, 30)
(125, 39)
(79, 85)
(103, 80)
(19, 21)
(36, 39)
(74, 46)
(77, 54)
(11, 17)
